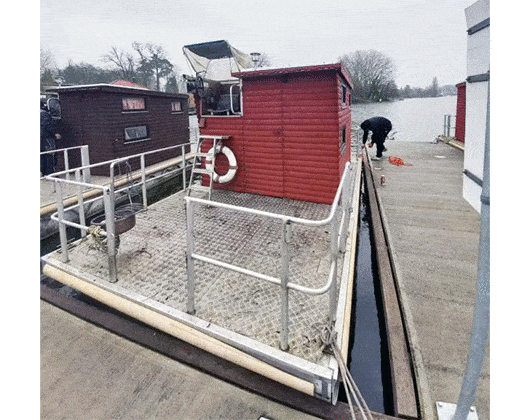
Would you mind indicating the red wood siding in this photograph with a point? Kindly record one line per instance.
(287, 143)
(460, 127)
(95, 117)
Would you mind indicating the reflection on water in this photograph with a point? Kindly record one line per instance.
(369, 360)
(415, 119)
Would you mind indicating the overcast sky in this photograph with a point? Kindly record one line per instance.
(425, 38)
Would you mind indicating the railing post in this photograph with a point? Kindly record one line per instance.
(80, 203)
(66, 164)
(144, 187)
(183, 151)
(284, 331)
(62, 226)
(190, 264)
(335, 225)
(108, 199)
(85, 161)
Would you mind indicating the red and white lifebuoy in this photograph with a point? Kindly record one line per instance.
(232, 166)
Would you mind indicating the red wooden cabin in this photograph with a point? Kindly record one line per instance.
(290, 130)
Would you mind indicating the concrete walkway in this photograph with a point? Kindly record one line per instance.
(90, 373)
(434, 235)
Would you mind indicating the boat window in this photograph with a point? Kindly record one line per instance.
(220, 99)
(136, 133)
(176, 106)
(343, 140)
(133, 104)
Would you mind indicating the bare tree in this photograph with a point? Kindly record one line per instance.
(372, 74)
(123, 60)
(48, 69)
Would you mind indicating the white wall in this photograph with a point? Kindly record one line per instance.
(478, 62)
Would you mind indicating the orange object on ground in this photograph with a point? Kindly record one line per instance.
(398, 161)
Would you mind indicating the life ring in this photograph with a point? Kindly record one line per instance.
(232, 166)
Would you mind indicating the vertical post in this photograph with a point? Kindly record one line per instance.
(144, 186)
(481, 319)
(66, 164)
(85, 161)
(183, 151)
(190, 264)
(80, 202)
(335, 224)
(62, 226)
(284, 330)
(108, 199)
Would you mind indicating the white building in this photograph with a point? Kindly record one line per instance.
(478, 76)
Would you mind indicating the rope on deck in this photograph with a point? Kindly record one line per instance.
(329, 339)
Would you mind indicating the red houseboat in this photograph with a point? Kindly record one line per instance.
(289, 128)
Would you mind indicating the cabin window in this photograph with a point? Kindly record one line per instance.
(343, 140)
(133, 104)
(221, 99)
(344, 96)
(136, 133)
(176, 106)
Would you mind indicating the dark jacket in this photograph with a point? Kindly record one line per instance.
(379, 126)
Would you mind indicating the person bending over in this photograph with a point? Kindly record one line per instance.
(380, 127)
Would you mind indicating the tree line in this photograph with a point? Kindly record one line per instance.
(371, 72)
(147, 64)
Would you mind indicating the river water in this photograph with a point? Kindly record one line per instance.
(414, 119)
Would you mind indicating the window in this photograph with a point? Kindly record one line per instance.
(136, 133)
(344, 95)
(343, 140)
(176, 106)
(133, 104)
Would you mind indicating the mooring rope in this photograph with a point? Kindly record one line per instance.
(329, 339)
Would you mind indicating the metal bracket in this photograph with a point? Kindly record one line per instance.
(446, 411)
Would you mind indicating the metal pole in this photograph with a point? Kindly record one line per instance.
(190, 264)
(144, 187)
(481, 322)
(335, 225)
(108, 199)
(284, 331)
(183, 151)
(62, 226)
(80, 202)
(85, 161)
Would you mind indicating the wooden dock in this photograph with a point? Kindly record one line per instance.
(434, 235)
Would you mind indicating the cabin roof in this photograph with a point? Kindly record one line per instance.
(115, 88)
(291, 70)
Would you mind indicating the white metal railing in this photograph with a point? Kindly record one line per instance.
(448, 128)
(338, 218)
(109, 194)
(85, 160)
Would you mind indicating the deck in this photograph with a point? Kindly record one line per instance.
(232, 309)
(434, 235)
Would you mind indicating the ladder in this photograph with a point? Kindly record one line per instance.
(197, 171)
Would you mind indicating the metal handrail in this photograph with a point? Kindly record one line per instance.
(85, 161)
(338, 242)
(108, 196)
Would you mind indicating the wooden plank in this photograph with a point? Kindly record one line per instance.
(149, 337)
(404, 391)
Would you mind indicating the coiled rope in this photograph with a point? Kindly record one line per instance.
(329, 339)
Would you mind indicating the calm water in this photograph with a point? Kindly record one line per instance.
(368, 361)
(415, 119)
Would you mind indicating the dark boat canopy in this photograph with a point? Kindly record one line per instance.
(211, 50)
(216, 60)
